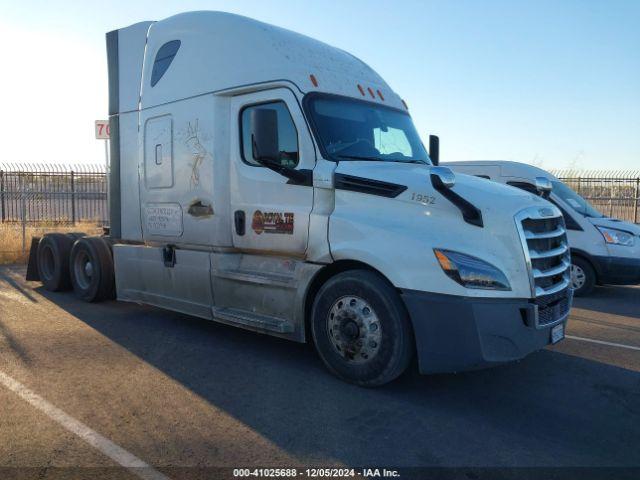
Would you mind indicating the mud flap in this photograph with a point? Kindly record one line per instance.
(32, 265)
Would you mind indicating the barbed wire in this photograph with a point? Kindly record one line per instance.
(52, 168)
(612, 174)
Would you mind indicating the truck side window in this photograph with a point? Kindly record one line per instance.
(287, 134)
(164, 57)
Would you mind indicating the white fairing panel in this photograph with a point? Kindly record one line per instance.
(220, 51)
(129, 191)
(131, 44)
(141, 276)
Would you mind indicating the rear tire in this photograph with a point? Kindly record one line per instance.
(361, 328)
(92, 272)
(53, 261)
(583, 277)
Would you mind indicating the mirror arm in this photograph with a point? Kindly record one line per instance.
(296, 177)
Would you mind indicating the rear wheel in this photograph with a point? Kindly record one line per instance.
(583, 277)
(361, 329)
(53, 261)
(91, 267)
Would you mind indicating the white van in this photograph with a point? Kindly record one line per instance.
(604, 250)
(268, 181)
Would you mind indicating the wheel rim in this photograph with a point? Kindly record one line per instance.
(83, 270)
(354, 329)
(47, 263)
(578, 277)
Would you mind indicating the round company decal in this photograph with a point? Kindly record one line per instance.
(272, 222)
(258, 222)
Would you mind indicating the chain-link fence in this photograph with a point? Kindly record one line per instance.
(614, 193)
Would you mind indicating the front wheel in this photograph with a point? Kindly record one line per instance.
(361, 329)
(583, 277)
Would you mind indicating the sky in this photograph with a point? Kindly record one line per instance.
(552, 83)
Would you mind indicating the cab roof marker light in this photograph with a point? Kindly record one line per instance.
(313, 79)
(380, 95)
(361, 89)
(371, 92)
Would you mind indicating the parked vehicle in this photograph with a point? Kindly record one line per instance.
(265, 180)
(604, 250)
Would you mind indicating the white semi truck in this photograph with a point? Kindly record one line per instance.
(266, 180)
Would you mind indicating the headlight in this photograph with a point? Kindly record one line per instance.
(616, 237)
(471, 272)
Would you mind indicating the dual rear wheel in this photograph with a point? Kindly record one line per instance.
(75, 261)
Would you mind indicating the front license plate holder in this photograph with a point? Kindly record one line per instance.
(557, 333)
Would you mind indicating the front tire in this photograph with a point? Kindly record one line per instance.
(361, 328)
(583, 277)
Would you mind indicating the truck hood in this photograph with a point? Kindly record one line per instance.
(493, 199)
(615, 223)
(408, 226)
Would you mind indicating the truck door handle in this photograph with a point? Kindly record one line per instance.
(239, 221)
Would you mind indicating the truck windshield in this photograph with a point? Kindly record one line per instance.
(357, 130)
(574, 200)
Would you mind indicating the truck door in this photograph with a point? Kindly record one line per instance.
(269, 214)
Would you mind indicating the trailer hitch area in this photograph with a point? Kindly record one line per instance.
(169, 255)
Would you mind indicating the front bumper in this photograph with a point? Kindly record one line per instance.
(464, 333)
(617, 270)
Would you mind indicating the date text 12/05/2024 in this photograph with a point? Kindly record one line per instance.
(316, 473)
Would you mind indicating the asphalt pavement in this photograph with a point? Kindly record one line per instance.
(186, 396)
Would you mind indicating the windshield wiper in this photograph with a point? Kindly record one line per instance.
(356, 157)
(411, 160)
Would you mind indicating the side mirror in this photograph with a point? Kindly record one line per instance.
(434, 149)
(442, 177)
(544, 187)
(264, 135)
(265, 146)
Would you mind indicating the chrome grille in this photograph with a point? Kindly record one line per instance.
(544, 241)
(553, 307)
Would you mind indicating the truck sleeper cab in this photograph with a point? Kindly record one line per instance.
(266, 180)
(604, 250)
